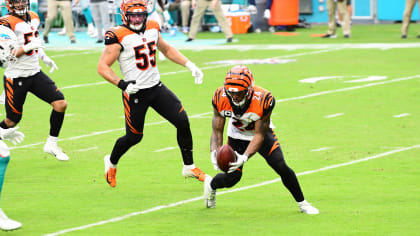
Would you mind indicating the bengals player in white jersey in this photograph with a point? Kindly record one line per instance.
(249, 131)
(134, 45)
(26, 76)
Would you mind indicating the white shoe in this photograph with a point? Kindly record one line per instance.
(53, 149)
(307, 208)
(209, 193)
(94, 33)
(190, 171)
(8, 224)
(62, 32)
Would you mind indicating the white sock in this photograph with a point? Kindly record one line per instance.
(302, 202)
(52, 139)
(190, 167)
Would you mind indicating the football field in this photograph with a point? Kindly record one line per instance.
(347, 117)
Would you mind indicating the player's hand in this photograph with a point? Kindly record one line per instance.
(214, 160)
(267, 14)
(49, 62)
(35, 43)
(12, 135)
(195, 71)
(132, 88)
(252, 9)
(240, 160)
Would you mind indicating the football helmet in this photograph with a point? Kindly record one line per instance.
(134, 14)
(238, 85)
(8, 42)
(18, 7)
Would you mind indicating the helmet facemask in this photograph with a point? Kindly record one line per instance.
(134, 14)
(18, 7)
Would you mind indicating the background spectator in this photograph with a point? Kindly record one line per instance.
(66, 11)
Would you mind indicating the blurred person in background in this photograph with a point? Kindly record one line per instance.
(84, 5)
(409, 5)
(101, 18)
(200, 7)
(66, 12)
(332, 6)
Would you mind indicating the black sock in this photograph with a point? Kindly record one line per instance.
(56, 121)
(185, 143)
(3, 125)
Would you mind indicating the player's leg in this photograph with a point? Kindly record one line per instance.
(16, 91)
(223, 180)
(44, 88)
(167, 104)
(273, 154)
(5, 222)
(135, 108)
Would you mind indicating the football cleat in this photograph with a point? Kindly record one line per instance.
(307, 208)
(209, 193)
(56, 151)
(110, 172)
(190, 171)
(8, 224)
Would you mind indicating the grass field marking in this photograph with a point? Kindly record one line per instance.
(161, 207)
(348, 88)
(164, 149)
(279, 100)
(402, 115)
(86, 149)
(333, 115)
(320, 149)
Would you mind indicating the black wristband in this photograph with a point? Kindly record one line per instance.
(123, 84)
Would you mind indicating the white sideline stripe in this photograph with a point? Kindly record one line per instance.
(86, 149)
(348, 88)
(320, 149)
(334, 115)
(157, 208)
(203, 68)
(164, 149)
(279, 100)
(402, 115)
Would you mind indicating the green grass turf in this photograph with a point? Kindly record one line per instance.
(376, 197)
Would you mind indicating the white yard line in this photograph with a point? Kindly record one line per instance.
(164, 149)
(170, 205)
(334, 115)
(278, 101)
(86, 149)
(320, 149)
(402, 115)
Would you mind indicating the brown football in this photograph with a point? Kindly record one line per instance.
(225, 155)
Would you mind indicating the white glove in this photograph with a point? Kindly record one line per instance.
(35, 43)
(132, 88)
(214, 160)
(252, 9)
(267, 14)
(240, 160)
(166, 16)
(49, 62)
(195, 71)
(12, 135)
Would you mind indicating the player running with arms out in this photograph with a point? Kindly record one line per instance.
(26, 75)
(249, 108)
(134, 45)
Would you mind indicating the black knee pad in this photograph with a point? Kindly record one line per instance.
(233, 178)
(133, 139)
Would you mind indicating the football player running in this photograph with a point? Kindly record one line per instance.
(249, 108)
(26, 75)
(134, 45)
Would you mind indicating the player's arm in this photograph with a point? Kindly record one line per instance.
(261, 128)
(171, 52)
(218, 125)
(108, 57)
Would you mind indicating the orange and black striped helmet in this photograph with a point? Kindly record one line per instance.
(11, 4)
(239, 79)
(134, 7)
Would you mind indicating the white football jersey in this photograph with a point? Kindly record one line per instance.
(137, 58)
(28, 63)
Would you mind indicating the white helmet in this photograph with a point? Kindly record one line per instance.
(8, 42)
